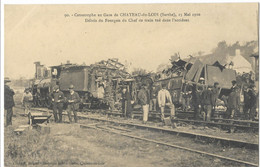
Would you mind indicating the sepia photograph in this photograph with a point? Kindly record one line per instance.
(130, 85)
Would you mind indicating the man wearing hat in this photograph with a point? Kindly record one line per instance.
(165, 99)
(8, 101)
(144, 98)
(126, 102)
(207, 102)
(215, 94)
(253, 95)
(73, 100)
(58, 100)
(233, 101)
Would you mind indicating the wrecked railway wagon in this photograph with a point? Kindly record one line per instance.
(184, 77)
(97, 84)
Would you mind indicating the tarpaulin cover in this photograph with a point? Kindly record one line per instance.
(224, 77)
(195, 71)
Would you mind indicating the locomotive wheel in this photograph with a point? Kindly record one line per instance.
(40, 103)
(47, 103)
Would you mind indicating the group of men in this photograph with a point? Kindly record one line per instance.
(163, 98)
(204, 101)
(58, 100)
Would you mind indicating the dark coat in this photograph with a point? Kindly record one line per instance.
(126, 103)
(58, 96)
(233, 98)
(144, 97)
(207, 97)
(253, 98)
(246, 99)
(76, 98)
(8, 95)
(215, 94)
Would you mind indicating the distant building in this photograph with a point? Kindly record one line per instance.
(240, 64)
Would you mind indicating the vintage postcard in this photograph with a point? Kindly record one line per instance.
(151, 84)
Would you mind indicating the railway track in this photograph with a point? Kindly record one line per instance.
(126, 133)
(197, 136)
(225, 124)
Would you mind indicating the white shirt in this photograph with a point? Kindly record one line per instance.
(100, 92)
(27, 97)
(164, 95)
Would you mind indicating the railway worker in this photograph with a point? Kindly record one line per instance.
(196, 100)
(215, 94)
(126, 102)
(207, 102)
(73, 106)
(8, 101)
(233, 101)
(27, 99)
(164, 99)
(144, 98)
(58, 100)
(153, 101)
(253, 102)
(246, 102)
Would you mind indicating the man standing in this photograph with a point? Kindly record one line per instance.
(9, 101)
(164, 99)
(233, 101)
(153, 99)
(215, 94)
(73, 100)
(126, 102)
(207, 102)
(196, 100)
(57, 99)
(253, 102)
(27, 100)
(144, 98)
(246, 102)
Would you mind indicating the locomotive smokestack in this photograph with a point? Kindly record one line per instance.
(68, 62)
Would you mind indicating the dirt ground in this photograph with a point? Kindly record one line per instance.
(70, 145)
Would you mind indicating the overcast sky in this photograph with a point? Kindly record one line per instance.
(42, 33)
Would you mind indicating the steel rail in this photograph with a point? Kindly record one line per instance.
(172, 145)
(216, 139)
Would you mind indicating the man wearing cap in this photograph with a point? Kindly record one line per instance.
(58, 100)
(233, 101)
(215, 94)
(207, 102)
(253, 95)
(8, 101)
(73, 106)
(26, 100)
(144, 98)
(164, 99)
